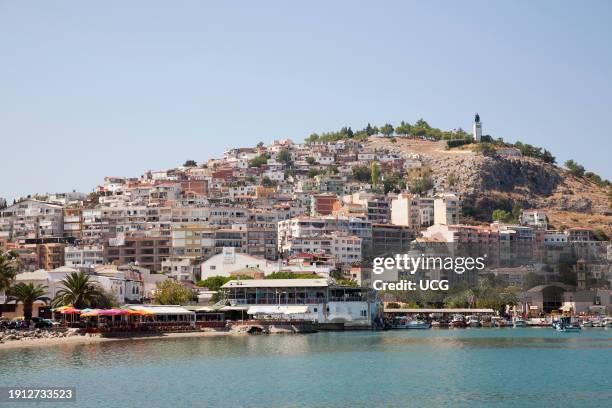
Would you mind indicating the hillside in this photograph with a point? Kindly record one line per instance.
(499, 182)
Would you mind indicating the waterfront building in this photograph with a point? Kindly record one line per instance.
(325, 303)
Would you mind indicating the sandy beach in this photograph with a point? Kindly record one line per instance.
(94, 339)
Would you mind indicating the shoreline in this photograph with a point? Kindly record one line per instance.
(97, 339)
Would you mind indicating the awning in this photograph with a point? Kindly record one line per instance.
(163, 310)
(286, 310)
(230, 308)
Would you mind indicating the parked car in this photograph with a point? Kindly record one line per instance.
(41, 323)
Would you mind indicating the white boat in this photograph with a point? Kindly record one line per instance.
(587, 323)
(519, 322)
(403, 323)
(472, 321)
(565, 324)
(607, 322)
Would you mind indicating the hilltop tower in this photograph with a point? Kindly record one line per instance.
(477, 128)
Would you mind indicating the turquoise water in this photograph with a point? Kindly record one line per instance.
(438, 368)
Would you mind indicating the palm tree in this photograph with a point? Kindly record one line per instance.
(27, 293)
(79, 292)
(8, 271)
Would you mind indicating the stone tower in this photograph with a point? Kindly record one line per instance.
(477, 128)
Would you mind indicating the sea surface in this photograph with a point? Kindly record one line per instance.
(412, 368)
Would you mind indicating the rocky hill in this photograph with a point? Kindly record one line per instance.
(492, 182)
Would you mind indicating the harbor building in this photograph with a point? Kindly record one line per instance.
(327, 304)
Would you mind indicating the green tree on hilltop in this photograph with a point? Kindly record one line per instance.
(387, 129)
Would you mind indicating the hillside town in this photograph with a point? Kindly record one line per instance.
(322, 208)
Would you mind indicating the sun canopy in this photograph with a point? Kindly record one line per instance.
(161, 310)
(67, 310)
(286, 310)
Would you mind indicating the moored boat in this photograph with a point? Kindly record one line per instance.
(472, 321)
(564, 324)
(458, 322)
(404, 323)
(519, 322)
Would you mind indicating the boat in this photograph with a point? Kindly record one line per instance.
(458, 322)
(564, 324)
(403, 323)
(519, 322)
(607, 322)
(497, 321)
(587, 323)
(472, 321)
(442, 324)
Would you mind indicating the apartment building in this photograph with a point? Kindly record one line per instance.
(341, 248)
(142, 250)
(313, 226)
(192, 240)
(84, 257)
(31, 219)
(412, 211)
(447, 209)
(459, 233)
(73, 222)
(534, 218)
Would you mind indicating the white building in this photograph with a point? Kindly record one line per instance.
(534, 218)
(318, 300)
(412, 211)
(447, 209)
(342, 248)
(31, 219)
(84, 256)
(229, 261)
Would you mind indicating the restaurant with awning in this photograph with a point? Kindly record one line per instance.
(166, 313)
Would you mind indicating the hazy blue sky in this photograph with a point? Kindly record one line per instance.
(116, 88)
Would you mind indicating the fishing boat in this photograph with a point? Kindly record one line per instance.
(458, 322)
(472, 321)
(403, 323)
(519, 322)
(564, 324)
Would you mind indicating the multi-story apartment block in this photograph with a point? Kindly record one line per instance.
(142, 250)
(447, 209)
(341, 247)
(412, 211)
(73, 222)
(30, 219)
(192, 240)
(313, 226)
(84, 257)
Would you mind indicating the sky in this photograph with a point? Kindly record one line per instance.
(90, 89)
